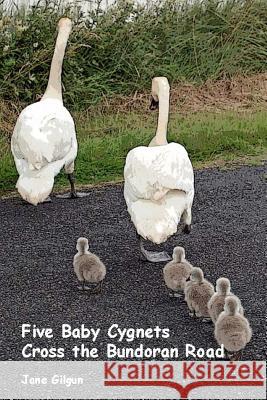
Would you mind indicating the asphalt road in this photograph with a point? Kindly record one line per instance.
(38, 286)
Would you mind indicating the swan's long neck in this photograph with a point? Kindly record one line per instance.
(163, 117)
(54, 89)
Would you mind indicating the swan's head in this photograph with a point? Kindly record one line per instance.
(197, 275)
(231, 305)
(160, 85)
(223, 286)
(82, 244)
(64, 24)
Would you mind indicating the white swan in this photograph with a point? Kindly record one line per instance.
(44, 138)
(159, 182)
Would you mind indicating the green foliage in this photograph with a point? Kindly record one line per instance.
(101, 156)
(119, 50)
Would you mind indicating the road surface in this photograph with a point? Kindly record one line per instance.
(38, 286)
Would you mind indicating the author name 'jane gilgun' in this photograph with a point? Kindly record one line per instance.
(54, 380)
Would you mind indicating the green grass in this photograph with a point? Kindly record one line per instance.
(119, 50)
(104, 142)
(116, 53)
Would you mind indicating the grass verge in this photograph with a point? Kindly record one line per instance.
(210, 139)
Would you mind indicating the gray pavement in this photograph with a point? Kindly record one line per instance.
(38, 286)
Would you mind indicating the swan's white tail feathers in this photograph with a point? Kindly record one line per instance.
(35, 185)
(157, 221)
(35, 188)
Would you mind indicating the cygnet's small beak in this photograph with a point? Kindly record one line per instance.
(154, 104)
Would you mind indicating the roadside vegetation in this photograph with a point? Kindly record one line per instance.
(104, 142)
(119, 50)
(110, 61)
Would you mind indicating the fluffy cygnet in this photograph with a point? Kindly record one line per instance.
(88, 268)
(198, 292)
(232, 329)
(216, 303)
(176, 272)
